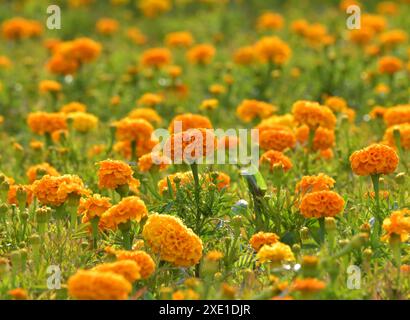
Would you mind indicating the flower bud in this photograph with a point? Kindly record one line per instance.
(3, 210)
(43, 214)
(304, 233)
(15, 259)
(296, 248)
(330, 224)
(365, 228)
(400, 178)
(359, 240)
(35, 239)
(367, 253)
(21, 196)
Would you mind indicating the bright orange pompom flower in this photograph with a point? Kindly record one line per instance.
(273, 49)
(156, 57)
(279, 140)
(321, 204)
(93, 206)
(320, 182)
(313, 115)
(44, 122)
(397, 224)
(397, 115)
(201, 54)
(261, 238)
(143, 259)
(186, 121)
(113, 174)
(250, 109)
(276, 158)
(37, 171)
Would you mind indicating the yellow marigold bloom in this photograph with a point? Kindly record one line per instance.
(143, 259)
(19, 28)
(35, 144)
(133, 129)
(320, 182)
(276, 158)
(382, 89)
(299, 26)
(5, 62)
(275, 121)
(129, 208)
(313, 115)
(276, 253)
(18, 294)
(183, 178)
(186, 121)
(107, 26)
(269, 21)
(393, 38)
(321, 204)
(12, 194)
(93, 206)
(209, 104)
(273, 49)
(113, 174)
(38, 171)
(49, 86)
(44, 122)
(201, 54)
(136, 36)
(397, 224)
(244, 55)
(261, 238)
(387, 7)
(182, 39)
(405, 268)
(150, 100)
(214, 255)
(336, 104)
(322, 140)
(274, 139)
(362, 36)
(250, 109)
(217, 89)
(174, 71)
(153, 160)
(172, 240)
(308, 285)
(83, 122)
(375, 22)
(147, 114)
(374, 159)
(404, 130)
(156, 57)
(129, 269)
(96, 285)
(73, 107)
(397, 115)
(153, 8)
(187, 294)
(390, 65)
(55, 191)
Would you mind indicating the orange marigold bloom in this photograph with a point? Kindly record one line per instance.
(19, 28)
(38, 171)
(322, 140)
(277, 140)
(73, 107)
(107, 26)
(83, 50)
(250, 109)
(55, 191)
(387, 7)
(276, 158)
(299, 26)
(183, 178)
(397, 224)
(214, 255)
(201, 54)
(49, 86)
(273, 49)
(261, 238)
(97, 285)
(397, 115)
(5, 62)
(156, 57)
(269, 21)
(136, 35)
(313, 114)
(326, 154)
(186, 121)
(129, 208)
(82, 121)
(143, 147)
(175, 243)
(393, 38)
(377, 112)
(321, 204)
(153, 8)
(150, 160)
(60, 64)
(44, 122)
(276, 253)
(143, 259)
(317, 35)
(93, 206)
(129, 269)
(244, 55)
(182, 39)
(18, 294)
(133, 129)
(375, 22)
(374, 159)
(361, 36)
(320, 182)
(308, 285)
(390, 65)
(150, 100)
(113, 174)
(147, 114)
(12, 194)
(336, 104)
(404, 131)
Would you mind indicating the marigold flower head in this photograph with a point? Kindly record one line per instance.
(361, 36)
(390, 65)
(299, 26)
(377, 112)
(18, 294)
(73, 107)
(93, 206)
(404, 131)
(276, 158)
(201, 54)
(273, 49)
(269, 21)
(375, 22)
(336, 104)
(387, 7)
(393, 38)
(183, 178)
(107, 26)
(274, 139)
(20, 28)
(133, 129)
(214, 255)
(150, 100)
(175, 243)
(276, 253)
(244, 55)
(44, 122)
(143, 147)
(186, 121)
(153, 8)
(49, 86)
(182, 39)
(97, 285)
(313, 115)
(374, 159)
(129, 208)
(250, 109)
(187, 294)
(82, 50)
(316, 35)
(321, 204)
(156, 57)
(397, 224)
(345, 4)
(129, 269)
(261, 238)
(59, 64)
(147, 114)
(320, 182)
(12, 197)
(143, 259)
(136, 36)
(308, 285)
(153, 160)
(397, 115)
(82, 121)
(323, 138)
(209, 104)
(113, 174)
(5, 62)
(38, 171)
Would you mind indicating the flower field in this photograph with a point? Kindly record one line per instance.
(203, 149)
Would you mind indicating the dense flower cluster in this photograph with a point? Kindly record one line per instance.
(321, 204)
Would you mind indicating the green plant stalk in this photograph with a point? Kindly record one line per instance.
(194, 169)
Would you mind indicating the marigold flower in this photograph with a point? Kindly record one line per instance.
(279, 140)
(209, 104)
(183, 178)
(269, 21)
(320, 182)
(250, 109)
(147, 114)
(276, 158)
(261, 238)
(82, 50)
(321, 204)
(273, 49)
(175, 243)
(19, 28)
(322, 140)
(201, 54)
(393, 38)
(336, 104)
(133, 129)
(150, 160)
(397, 224)
(113, 174)
(107, 26)
(276, 253)
(82, 121)
(35, 144)
(182, 39)
(187, 294)
(73, 107)
(143, 147)
(156, 57)
(38, 171)
(387, 7)
(375, 22)
(345, 4)
(317, 35)
(377, 112)
(313, 115)
(214, 255)
(93, 206)
(186, 121)
(5, 62)
(404, 131)
(308, 285)
(129, 269)
(150, 100)
(12, 197)
(143, 259)
(299, 26)
(129, 208)
(136, 36)
(44, 122)
(390, 65)
(49, 86)
(153, 8)
(374, 159)
(58, 64)
(18, 294)
(397, 115)
(244, 55)
(361, 36)
(97, 285)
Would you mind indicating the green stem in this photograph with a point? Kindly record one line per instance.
(194, 169)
